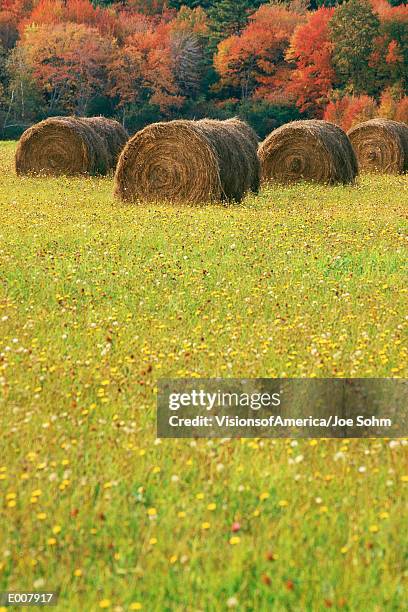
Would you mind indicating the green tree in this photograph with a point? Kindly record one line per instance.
(353, 30)
(229, 17)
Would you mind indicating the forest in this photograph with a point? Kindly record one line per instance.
(141, 61)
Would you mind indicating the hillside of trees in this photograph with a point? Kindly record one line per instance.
(147, 60)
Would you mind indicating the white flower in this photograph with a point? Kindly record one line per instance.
(232, 602)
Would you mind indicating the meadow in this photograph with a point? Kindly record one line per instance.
(99, 300)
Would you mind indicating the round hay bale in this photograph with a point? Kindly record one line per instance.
(189, 161)
(112, 132)
(61, 145)
(311, 150)
(381, 145)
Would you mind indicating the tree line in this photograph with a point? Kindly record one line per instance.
(147, 60)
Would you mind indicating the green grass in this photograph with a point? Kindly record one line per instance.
(98, 300)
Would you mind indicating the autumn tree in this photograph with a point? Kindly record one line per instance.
(353, 30)
(390, 56)
(69, 63)
(143, 71)
(254, 62)
(311, 49)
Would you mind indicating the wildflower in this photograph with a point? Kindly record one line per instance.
(135, 606)
(234, 540)
(373, 528)
(56, 529)
(41, 516)
(51, 541)
(283, 503)
(105, 603)
(205, 526)
(211, 506)
(264, 496)
(152, 512)
(78, 573)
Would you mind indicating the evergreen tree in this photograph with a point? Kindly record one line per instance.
(353, 28)
(229, 17)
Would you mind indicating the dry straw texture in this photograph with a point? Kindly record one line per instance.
(310, 150)
(68, 146)
(112, 132)
(381, 145)
(189, 161)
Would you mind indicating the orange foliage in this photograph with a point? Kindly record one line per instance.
(144, 67)
(311, 49)
(401, 111)
(68, 61)
(254, 61)
(351, 110)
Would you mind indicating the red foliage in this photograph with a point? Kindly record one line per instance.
(255, 61)
(311, 49)
(145, 67)
(68, 62)
(401, 111)
(351, 110)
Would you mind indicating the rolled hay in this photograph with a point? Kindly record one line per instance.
(112, 132)
(61, 146)
(189, 161)
(381, 145)
(310, 150)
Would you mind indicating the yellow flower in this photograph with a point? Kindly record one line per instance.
(152, 512)
(173, 559)
(200, 496)
(156, 470)
(324, 509)
(78, 572)
(404, 478)
(153, 541)
(264, 496)
(343, 550)
(235, 540)
(105, 603)
(205, 526)
(11, 496)
(11, 503)
(36, 493)
(283, 503)
(256, 512)
(374, 528)
(51, 541)
(56, 529)
(135, 606)
(384, 515)
(181, 514)
(211, 506)
(41, 516)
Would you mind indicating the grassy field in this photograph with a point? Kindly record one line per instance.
(99, 300)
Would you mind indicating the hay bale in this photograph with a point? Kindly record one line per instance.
(61, 145)
(311, 150)
(381, 145)
(112, 132)
(190, 161)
